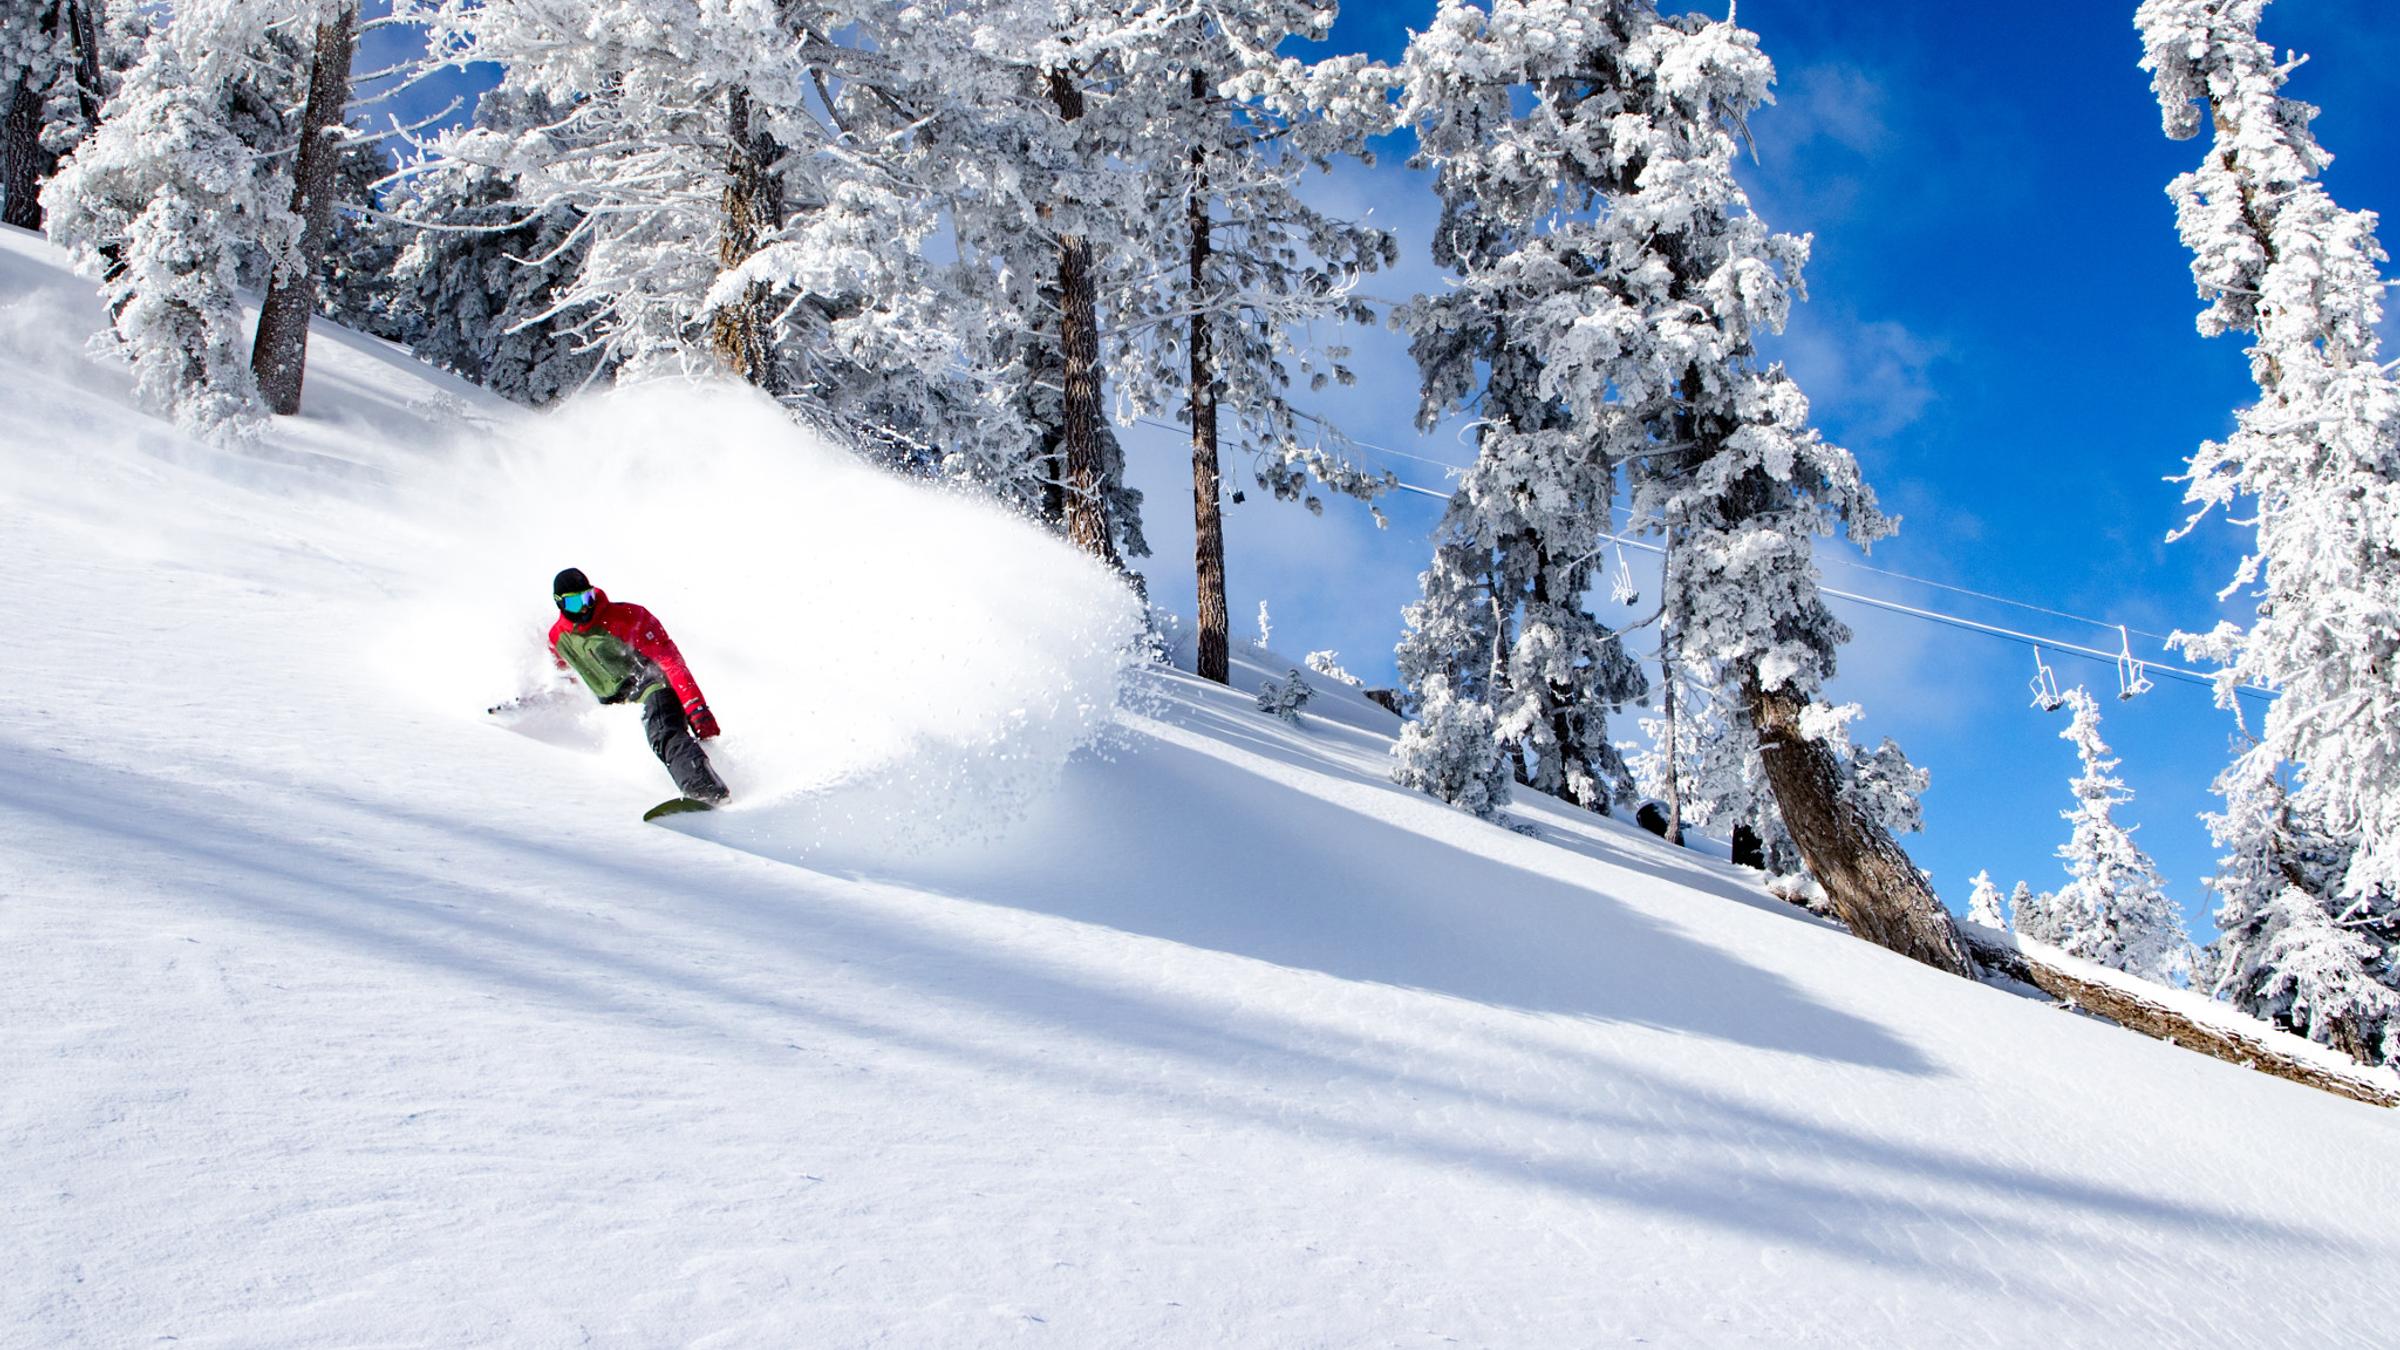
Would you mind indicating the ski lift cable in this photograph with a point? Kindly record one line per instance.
(2132, 673)
(2116, 659)
(1927, 582)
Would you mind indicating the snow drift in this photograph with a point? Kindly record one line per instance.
(918, 648)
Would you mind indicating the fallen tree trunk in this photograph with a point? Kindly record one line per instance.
(2005, 954)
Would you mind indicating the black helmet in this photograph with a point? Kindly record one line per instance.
(573, 585)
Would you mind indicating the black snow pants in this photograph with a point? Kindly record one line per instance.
(672, 741)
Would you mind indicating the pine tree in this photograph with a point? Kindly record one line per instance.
(53, 73)
(1229, 127)
(2114, 909)
(159, 204)
(1984, 906)
(1616, 281)
(734, 190)
(482, 283)
(1524, 231)
(185, 190)
(1449, 751)
(2288, 948)
(2317, 459)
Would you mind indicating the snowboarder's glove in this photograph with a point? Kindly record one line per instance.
(704, 722)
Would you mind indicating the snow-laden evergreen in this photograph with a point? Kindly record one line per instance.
(1328, 663)
(57, 59)
(2288, 948)
(1984, 905)
(1219, 121)
(717, 187)
(1285, 698)
(1503, 618)
(2114, 908)
(2313, 467)
(159, 205)
(1452, 751)
(1613, 283)
(185, 191)
(482, 282)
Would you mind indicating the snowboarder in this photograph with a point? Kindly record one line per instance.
(624, 655)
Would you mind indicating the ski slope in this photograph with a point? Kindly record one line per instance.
(1026, 996)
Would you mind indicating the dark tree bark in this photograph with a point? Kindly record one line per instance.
(1087, 506)
(753, 206)
(23, 162)
(279, 356)
(1208, 524)
(83, 22)
(1666, 670)
(1870, 880)
(2004, 954)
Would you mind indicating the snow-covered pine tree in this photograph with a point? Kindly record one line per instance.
(1283, 699)
(482, 282)
(2288, 949)
(162, 202)
(2022, 895)
(53, 76)
(1450, 750)
(733, 179)
(1219, 120)
(2114, 909)
(1984, 905)
(1613, 131)
(1013, 134)
(1525, 229)
(2317, 459)
(359, 285)
(1732, 471)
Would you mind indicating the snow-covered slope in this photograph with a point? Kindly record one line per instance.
(331, 1014)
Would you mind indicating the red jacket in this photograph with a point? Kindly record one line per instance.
(613, 669)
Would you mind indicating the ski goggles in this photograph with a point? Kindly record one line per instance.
(578, 603)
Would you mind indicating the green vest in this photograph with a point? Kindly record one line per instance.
(614, 672)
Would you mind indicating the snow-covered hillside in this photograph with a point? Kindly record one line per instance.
(1024, 997)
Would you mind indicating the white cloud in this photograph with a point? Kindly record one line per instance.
(1836, 103)
(1866, 379)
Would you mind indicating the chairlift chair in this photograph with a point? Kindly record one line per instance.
(2132, 676)
(1620, 584)
(2045, 685)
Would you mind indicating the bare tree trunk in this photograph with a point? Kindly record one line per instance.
(1870, 880)
(737, 332)
(1079, 354)
(1208, 524)
(84, 18)
(279, 356)
(1667, 663)
(23, 162)
(1558, 702)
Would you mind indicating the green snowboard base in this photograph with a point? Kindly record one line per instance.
(676, 806)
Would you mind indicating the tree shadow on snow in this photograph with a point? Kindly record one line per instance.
(1659, 1144)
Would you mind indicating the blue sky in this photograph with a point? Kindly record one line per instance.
(2001, 327)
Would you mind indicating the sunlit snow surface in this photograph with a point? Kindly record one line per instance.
(331, 1013)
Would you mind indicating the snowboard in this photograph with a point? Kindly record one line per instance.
(676, 806)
